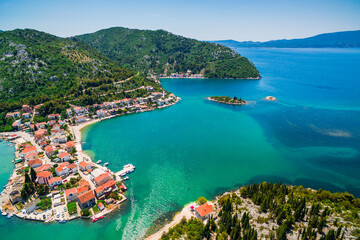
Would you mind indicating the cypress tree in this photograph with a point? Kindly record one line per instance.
(33, 175)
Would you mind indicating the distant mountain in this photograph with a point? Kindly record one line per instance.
(36, 67)
(349, 39)
(162, 52)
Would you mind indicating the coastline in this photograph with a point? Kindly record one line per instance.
(184, 213)
(76, 129)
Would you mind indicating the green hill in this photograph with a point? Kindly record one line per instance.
(162, 52)
(36, 67)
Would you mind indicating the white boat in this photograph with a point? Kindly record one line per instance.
(99, 162)
(105, 164)
(122, 175)
(127, 165)
(9, 215)
(4, 213)
(125, 178)
(130, 171)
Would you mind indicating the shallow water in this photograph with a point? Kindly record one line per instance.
(201, 148)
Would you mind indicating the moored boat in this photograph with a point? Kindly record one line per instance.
(125, 178)
(99, 162)
(105, 164)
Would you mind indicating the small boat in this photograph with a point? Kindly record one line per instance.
(4, 213)
(83, 142)
(95, 219)
(99, 162)
(105, 164)
(130, 171)
(127, 165)
(62, 221)
(122, 175)
(101, 217)
(125, 178)
(9, 215)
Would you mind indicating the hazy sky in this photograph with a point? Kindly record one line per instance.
(204, 20)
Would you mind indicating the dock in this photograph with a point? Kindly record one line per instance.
(128, 168)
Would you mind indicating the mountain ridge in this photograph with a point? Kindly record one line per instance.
(344, 39)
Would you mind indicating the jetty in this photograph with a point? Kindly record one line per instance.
(128, 168)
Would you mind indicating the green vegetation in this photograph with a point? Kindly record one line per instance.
(282, 210)
(201, 200)
(95, 209)
(72, 208)
(44, 204)
(193, 228)
(163, 52)
(225, 99)
(36, 67)
(85, 212)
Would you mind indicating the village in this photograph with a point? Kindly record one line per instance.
(53, 179)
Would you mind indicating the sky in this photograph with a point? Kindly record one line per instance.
(255, 20)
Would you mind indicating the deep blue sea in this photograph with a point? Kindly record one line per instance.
(309, 137)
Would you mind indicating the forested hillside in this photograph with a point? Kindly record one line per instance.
(162, 52)
(36, 67)
(275, 211)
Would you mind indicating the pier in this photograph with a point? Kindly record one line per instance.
(128, 168)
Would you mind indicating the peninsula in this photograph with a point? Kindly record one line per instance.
(227, 100)
(268, 211)
(161, 53)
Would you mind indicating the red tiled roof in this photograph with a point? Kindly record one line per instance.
(33, 162)
(49, 149)
(204, 209)
(64, 154)
(70, 144)
(108, 184)
(82, 189)
(83, 164)
(85, 197)
(70, 191)
(55, 179)
(43, 167)
(40, 132)
(101, 177)
(31, 154)
(72, 166)
(44, 174)
(29, 149)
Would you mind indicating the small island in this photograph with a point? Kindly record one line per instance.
(270, 98)
(227, 100)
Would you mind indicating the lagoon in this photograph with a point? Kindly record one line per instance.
(198, 148)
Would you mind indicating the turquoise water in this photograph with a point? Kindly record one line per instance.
(200, 148)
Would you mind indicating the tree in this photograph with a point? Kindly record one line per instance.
(33, 175)
(201, 200)
(85, 212)
(27, 178)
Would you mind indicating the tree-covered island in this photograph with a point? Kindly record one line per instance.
(227, 100)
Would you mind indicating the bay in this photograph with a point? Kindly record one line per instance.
(309, 137)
